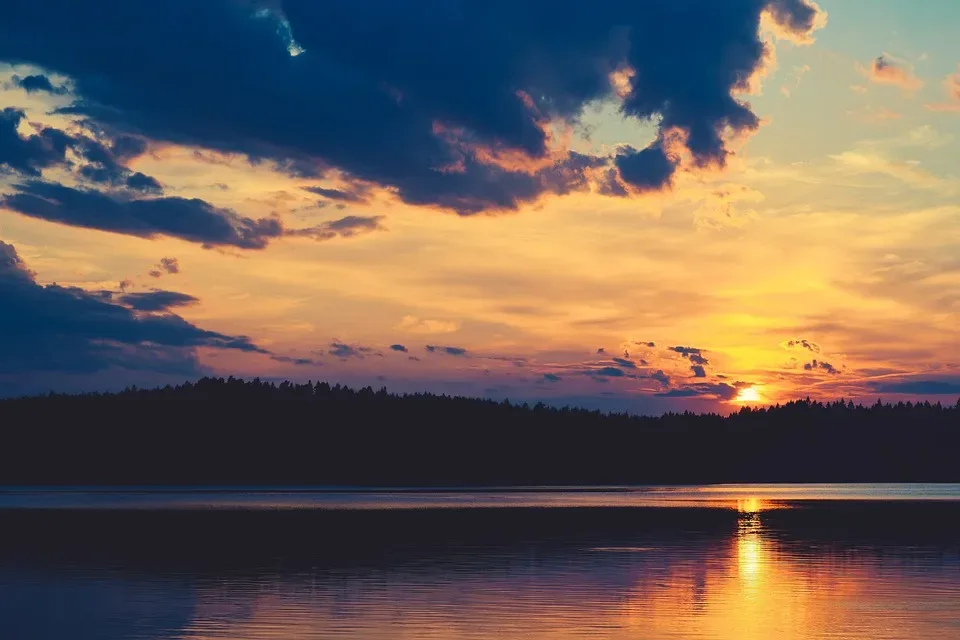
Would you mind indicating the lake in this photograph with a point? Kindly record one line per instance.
(740, 562)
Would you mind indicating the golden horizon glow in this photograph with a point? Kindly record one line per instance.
(748, 395)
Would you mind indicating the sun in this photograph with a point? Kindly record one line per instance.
(748, 394)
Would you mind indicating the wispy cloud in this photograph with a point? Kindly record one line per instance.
(887, 69)
(951, 86)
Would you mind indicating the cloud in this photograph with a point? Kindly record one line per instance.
(698, 371)
(607, 372)
(345, 351)
(693, 354)
(649, 169)
(875, 115)
(951, 86)
(104, 165)
(820, 365)
(885, 69)
(193, 219)
(346, 227)
(660, 377)
(166, 265)
(32, 154)
(946, 387)
(297, 361)
(38, 83)
(359, 86)
(450, 351)
(796, 20)
(550, 377)
(867, 162)
(48, 147)
(413, 324)
(355, 194)
(65, 329)
(398, 347)
(601, 350)
(140, 182)
(626, 364)
(802, 343)
(156, 300)
(721, 391)
(796, 77)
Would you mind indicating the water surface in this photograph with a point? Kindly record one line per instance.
(724, 562)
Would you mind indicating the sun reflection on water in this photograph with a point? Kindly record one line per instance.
(752, 552)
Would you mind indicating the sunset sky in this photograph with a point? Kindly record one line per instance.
(625, 205)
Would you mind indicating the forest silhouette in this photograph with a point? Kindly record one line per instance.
(234, 432)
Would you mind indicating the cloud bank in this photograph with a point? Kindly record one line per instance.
(450, 106)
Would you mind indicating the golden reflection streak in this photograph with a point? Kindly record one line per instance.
(745, 587)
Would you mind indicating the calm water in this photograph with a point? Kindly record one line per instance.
(724, 562)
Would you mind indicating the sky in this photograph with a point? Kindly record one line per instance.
(630, 206)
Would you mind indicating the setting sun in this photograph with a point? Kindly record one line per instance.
(748, 394)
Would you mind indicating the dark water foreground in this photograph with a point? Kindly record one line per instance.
(837, 562)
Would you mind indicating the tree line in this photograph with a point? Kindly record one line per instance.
(235, 432)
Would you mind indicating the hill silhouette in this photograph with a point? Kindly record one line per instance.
(230, 431)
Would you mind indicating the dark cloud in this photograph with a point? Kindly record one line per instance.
(156, 300)
(140, 182)
(100, 164)
(607, 372)
(645, 344)
(398, 347)
(37, 83)
(660, 377)
(105, 163)
(301, 362)
(188, 219)
(356, 194)
(944, 387)
(514, 360)
(346, 351)
(721, 390)
(803, 344)
(815, 365)
(692, 354)
(649, 169)
(32, 154)
(698, 371)
(796, 16)
(601, 350)
(611, 185)
(550, 377)
(432, 103)
(69, 330)
(626, 364)
(165, 266)
(450, 351)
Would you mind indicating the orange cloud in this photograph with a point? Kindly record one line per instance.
(886, 69)
(874, 115)
(951, 85)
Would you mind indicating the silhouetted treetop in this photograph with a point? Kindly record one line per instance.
(230, 431)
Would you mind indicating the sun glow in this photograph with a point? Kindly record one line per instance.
(748, 394)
